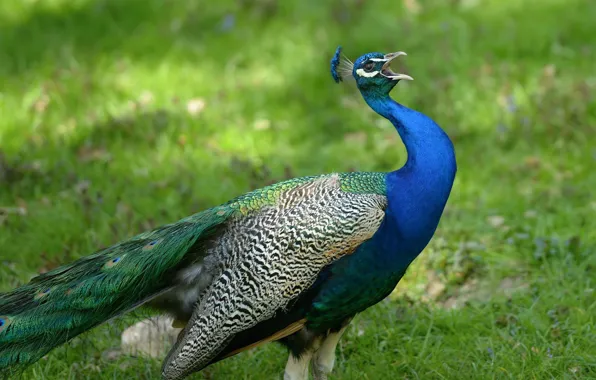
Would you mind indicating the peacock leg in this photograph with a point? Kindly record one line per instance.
(297, 366)
(324, 358)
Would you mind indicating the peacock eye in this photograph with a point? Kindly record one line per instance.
(369, 66)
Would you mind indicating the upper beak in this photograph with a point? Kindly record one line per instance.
(386, 69)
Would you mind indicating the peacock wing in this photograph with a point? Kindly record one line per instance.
(150, 267)
(266, 259)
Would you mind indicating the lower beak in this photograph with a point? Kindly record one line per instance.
(386, 69)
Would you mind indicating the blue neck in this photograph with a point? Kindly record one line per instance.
(416, 193)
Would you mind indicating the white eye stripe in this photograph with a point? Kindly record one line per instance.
(377, 59)
(363, 73)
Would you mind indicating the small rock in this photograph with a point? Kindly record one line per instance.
(151, 337)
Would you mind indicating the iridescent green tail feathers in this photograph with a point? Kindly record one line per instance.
(59, 305)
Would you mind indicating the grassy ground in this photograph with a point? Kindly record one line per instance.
(122, 115)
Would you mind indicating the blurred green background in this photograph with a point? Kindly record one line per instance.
(120, 115)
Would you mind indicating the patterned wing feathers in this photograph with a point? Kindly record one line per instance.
(266, 259)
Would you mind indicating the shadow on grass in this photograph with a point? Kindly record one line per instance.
(87, 30)
(152, 31)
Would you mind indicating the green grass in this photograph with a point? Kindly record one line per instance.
(97, 143)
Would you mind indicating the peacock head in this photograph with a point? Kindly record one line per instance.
(371, 71)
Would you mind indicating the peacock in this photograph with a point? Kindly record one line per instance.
(292, 262)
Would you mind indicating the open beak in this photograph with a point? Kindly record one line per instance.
(386, 69)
